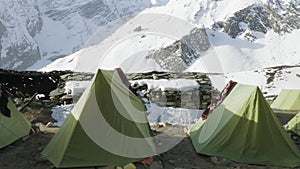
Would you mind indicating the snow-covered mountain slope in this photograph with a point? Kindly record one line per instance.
(200, 35)
(31, 30)
(131, 42)
(20, 21)
(270, 80)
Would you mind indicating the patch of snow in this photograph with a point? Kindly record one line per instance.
(284, 79)
(66, 63)
(173, 115)
(60, 113)
(164, 84)
(76, 88)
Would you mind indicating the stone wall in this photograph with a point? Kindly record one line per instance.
(194, 98)
(53, 84)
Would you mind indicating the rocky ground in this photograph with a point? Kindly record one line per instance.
(25, 153)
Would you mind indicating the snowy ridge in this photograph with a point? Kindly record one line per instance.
(32, 30)
(251, 48)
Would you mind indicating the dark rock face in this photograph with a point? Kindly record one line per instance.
(182, 53)
(256, 21)
(23, 53)
(3, 103)
(277, 16)
(23, 84)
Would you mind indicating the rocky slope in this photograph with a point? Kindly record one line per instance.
(247, 27)
(31, 30)
(183, 52)
(20, 21)
(279, 16)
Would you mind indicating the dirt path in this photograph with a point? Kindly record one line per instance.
(25, 154)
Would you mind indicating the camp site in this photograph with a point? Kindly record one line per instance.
(149, 84)
(237, 127)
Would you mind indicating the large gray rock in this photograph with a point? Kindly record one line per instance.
(182, 53)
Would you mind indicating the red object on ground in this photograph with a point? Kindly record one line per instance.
(147, 161)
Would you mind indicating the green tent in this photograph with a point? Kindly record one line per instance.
(287, 100)
(294, 124)
(107, 127)
(243, 128)
(14, 127)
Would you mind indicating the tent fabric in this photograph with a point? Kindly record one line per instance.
(287, 100)
(14, 127)
(294, 124)
(108, 126)
(221, 96)
(243, 128)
